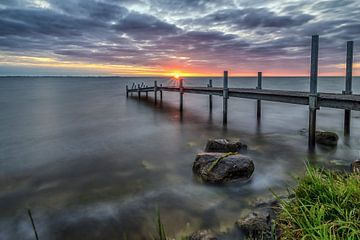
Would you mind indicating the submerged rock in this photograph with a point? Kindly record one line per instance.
(256, 225)
(222, 167)
(225, 145)
(326, 138)
(203, 235)
(355, 166)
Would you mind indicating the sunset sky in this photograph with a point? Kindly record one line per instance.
(164, 37)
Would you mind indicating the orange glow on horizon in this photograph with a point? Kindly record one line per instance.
(161, 71)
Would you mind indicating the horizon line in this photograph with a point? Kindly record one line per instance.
(146, 76)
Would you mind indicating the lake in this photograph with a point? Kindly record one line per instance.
(93, 164)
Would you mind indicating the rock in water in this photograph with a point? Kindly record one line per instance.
(203, 235)
(225, 145)
(355, 166)
(222, 167)
(326, 138)
(257, 225)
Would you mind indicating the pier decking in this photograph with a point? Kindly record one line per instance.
(314, 99)
(330, 100)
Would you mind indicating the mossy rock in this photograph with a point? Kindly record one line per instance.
(225, 145)
(355, 166)
(223, 167)
(324, 138)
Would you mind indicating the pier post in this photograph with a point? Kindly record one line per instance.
(132, 87)
(348, 84)
(161, 93)
(313, 106)
(225, 97)
(259, 86)
(139, 93)
(155, 91)
(127, 91)
(181, 87)
(210, 96)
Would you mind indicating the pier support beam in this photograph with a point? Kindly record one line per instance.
(155, 91)
(313, 105)
(132, 87)
(161, 93)
(259, 86)
(139, 93)
(348, 84)
(225, 97)
(127, 91)
(181, 87)
(210, 96)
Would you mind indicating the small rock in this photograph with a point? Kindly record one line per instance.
(222, 167)
(355, 166)
(256, 225)
(326, 138)
(203, 235)
(225, 145)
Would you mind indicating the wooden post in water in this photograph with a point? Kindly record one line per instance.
(348, 84)
(155, 91)
(127, 91)
(313, 106)
(259, 86)
(161, 93)
(139, 93)
(225, 97)
(132, 87)
(210, 96)
(181, 87)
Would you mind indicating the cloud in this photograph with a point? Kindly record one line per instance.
(186, 34)
(252, 18)
(143, 26)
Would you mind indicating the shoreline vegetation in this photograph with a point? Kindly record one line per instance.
(325, 205)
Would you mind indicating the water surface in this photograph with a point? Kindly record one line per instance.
(93, 164)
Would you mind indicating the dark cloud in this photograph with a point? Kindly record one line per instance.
(182, 33)
(143, 26)
(250, 18)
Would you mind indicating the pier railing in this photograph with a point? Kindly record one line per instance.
(345, 100)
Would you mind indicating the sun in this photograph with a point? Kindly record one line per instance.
(176, 75)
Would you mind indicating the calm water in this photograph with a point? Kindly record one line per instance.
(92, 164)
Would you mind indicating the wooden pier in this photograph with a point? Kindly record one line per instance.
(314, 99)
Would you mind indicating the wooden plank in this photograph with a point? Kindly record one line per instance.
(330, 100)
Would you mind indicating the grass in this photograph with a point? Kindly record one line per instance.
(326, 206)
(160, 229)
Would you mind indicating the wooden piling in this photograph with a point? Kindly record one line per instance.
(161, 93)
(348, 84)
(155, 91)
(210, 96)
(259, 86)
(127, 91)
(132, 87)
(313, 91)
(139, 93)
(225, 97)
(181, 87)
